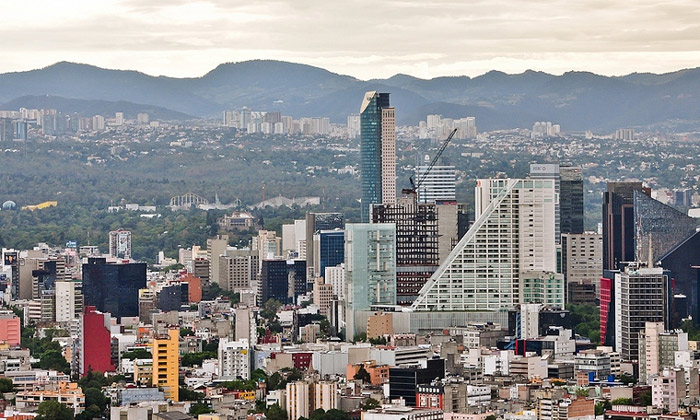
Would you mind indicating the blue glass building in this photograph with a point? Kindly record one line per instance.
(371, 149)
(331, 249)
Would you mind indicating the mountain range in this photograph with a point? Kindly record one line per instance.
(576, 100)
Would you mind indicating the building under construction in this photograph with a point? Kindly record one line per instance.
(417, 252)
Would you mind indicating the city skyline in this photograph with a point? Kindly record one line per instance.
(424, 40)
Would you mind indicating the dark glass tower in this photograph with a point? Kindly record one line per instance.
(113, 288)
(371, 128)
(571, 199)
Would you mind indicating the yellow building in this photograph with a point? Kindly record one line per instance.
(166, 362)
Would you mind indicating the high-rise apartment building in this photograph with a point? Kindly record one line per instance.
(335, 276)
(378, 151)
(234, 359)
(512, 238)
(438, 185)
(641, 296)
(370, 268)
(416, 243)
(657, 349)
(166, 362)
(298, 399)
(120, 244)
(267, 244)
(323, 295)
(113, 288)
(69, 301)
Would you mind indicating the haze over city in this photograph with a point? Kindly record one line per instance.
(362, 38)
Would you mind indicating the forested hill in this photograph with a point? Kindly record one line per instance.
(576, 100)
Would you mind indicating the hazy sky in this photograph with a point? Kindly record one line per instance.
(363, 38)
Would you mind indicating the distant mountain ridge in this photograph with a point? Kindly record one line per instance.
(576, 100)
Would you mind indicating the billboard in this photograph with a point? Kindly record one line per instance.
(71, 244)
(10, 258)
(122, 243)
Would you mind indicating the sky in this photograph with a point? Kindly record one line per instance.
(362, 38)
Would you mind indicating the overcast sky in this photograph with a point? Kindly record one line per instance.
(363, 38)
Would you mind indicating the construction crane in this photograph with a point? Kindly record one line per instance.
(414, 186)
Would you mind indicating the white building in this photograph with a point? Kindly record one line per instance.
(438, 185)
(68, 301)
(234, 358)
(335, 276)
(298, 399)
(513, 233)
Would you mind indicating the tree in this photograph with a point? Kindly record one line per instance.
(363, 375)
(645, 399)
(94, 396)
(369, 404)
(622, 401)
(491, 417)
(601, 406)
(6, 385)
(582, 392)
(627, 379)
(186, 394)
(269, 310)
(275, 412)
(184, 332)
(137, 354)
(53, 410)
(276, 381)
(54, 360)
(199, 408)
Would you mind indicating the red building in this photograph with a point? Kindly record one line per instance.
(606, 316)
(96, 342)
(194, 289)
(301, 361)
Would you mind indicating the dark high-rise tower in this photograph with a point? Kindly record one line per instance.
(378, 151)
(618, 222)
(113, 288)
(571, 199)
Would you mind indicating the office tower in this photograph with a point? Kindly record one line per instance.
(658, 228)
(450, 216)
(234, 359)
(120, 244)
(142, 118)
(512, 238)
(618, 223)
(315, 222)
(96, 342)
(378, 151)
(582, 263)
(641, 295)
(119, 118)
(274, 281)
(200, 269)
(113, 288)
(657, 349)
(438, 185)
(147, 305)
(267, 244)
(323, 295)
(298, 399)
(238, 269)
(543, 288)
(296, 270)
(570, 199)
(215, 248)
(682, 263)
(403, 381)
(370, 268)
(166, 362)
(170, 298)
(416, 243)
(329, 249)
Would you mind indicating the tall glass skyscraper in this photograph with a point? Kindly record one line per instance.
(378, 151)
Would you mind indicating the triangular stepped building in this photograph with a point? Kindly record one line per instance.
(512, 238)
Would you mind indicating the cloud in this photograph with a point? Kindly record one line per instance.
(364, 38)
